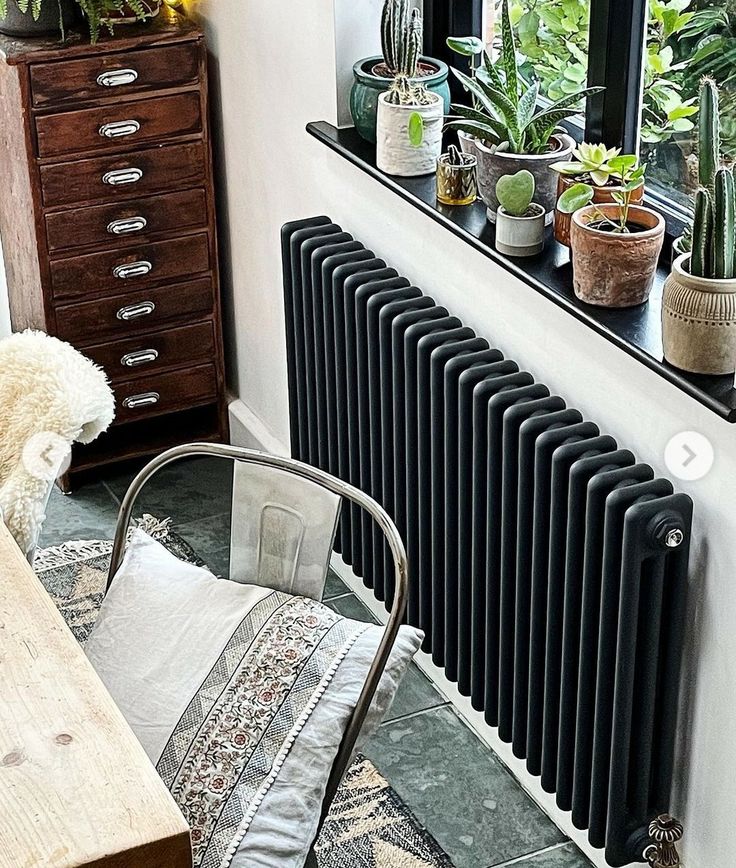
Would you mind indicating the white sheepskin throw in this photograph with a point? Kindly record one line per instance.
(50, 397)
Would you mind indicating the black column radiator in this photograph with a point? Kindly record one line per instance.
(548, 567)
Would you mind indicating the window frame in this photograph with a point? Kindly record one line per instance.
(616, 53)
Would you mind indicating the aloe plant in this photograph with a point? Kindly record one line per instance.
(505, 112)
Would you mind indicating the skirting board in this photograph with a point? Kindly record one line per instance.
(476, 721)
(251, 432)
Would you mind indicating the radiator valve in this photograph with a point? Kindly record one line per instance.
(665, 831)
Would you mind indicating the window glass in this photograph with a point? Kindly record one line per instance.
(686, 39)
(552, 41)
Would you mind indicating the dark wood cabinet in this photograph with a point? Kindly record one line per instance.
(108, 223)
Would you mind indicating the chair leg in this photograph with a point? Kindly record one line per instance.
(311, 859)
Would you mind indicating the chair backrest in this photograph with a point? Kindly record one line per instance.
(283, 528)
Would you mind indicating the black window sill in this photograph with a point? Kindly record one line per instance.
(637, 331)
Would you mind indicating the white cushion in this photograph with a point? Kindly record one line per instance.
(240, 696)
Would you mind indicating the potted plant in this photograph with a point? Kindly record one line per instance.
(409, 126)
(505, 128)
(41, 17)
(37, 17)
(457, 182)
(699, 302)
(520, 221)
(615, 246)
(601, 168)
(374, 75)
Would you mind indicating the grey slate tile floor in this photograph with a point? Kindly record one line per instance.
(453, 783)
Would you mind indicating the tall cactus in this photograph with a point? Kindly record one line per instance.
(724, 225)
(714, 221)
(397, 25)
(405, 90)
(709, 134)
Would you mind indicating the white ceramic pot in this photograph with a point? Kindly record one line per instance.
(520, 236)
(493, 164)
(395, 152)
(699, 321)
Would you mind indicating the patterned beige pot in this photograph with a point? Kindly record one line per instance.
(613, 269)
(699, 321)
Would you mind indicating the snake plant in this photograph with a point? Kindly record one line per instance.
(505, 113)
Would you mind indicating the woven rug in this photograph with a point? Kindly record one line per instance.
(368, 826)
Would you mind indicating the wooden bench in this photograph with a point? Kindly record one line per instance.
(76, 787)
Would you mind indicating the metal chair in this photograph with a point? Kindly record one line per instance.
(291, 512)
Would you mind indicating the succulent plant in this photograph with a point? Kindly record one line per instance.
(714, 221)
(515, 192)
(631, 176)
(596, 161)
(405, 90)
(504, 111)
(398, 20)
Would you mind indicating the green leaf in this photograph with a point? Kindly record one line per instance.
(474, 128)
(575, 197)
(515, 192)
(527, 104)
(416, 129)
(468, 46)
(508, 54)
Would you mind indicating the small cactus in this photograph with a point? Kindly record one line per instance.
(724, 220)
(398, 24)
(515, 192)
(702, 232)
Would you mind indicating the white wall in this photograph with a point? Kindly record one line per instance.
(276, 69)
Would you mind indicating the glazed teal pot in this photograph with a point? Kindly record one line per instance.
(368, 86)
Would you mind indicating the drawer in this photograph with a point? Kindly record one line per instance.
(131, 267)
(124, 177)
(108, 128)
(184, 346)
(164, 393)
(102, 224)
(133, 312)
(110, 75)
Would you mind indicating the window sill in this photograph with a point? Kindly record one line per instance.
(637, 331)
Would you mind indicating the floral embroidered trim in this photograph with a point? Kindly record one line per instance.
(223, 750)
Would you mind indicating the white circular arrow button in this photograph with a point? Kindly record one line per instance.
(689, 456)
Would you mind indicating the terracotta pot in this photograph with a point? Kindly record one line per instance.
(492, 165)
(612, 269)
(601, 196)
(699, 321)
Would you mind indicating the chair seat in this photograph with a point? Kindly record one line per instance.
(240, 696)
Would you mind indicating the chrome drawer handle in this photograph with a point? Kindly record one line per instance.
(122, 176)
(140, 357)
(117, 77)
(145, 399)
(135, 311)
(127, 226)
(119, 129)
(134, 269)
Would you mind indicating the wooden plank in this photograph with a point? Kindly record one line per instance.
(76, 787)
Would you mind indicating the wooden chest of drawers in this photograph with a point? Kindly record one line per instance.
(107, 220)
